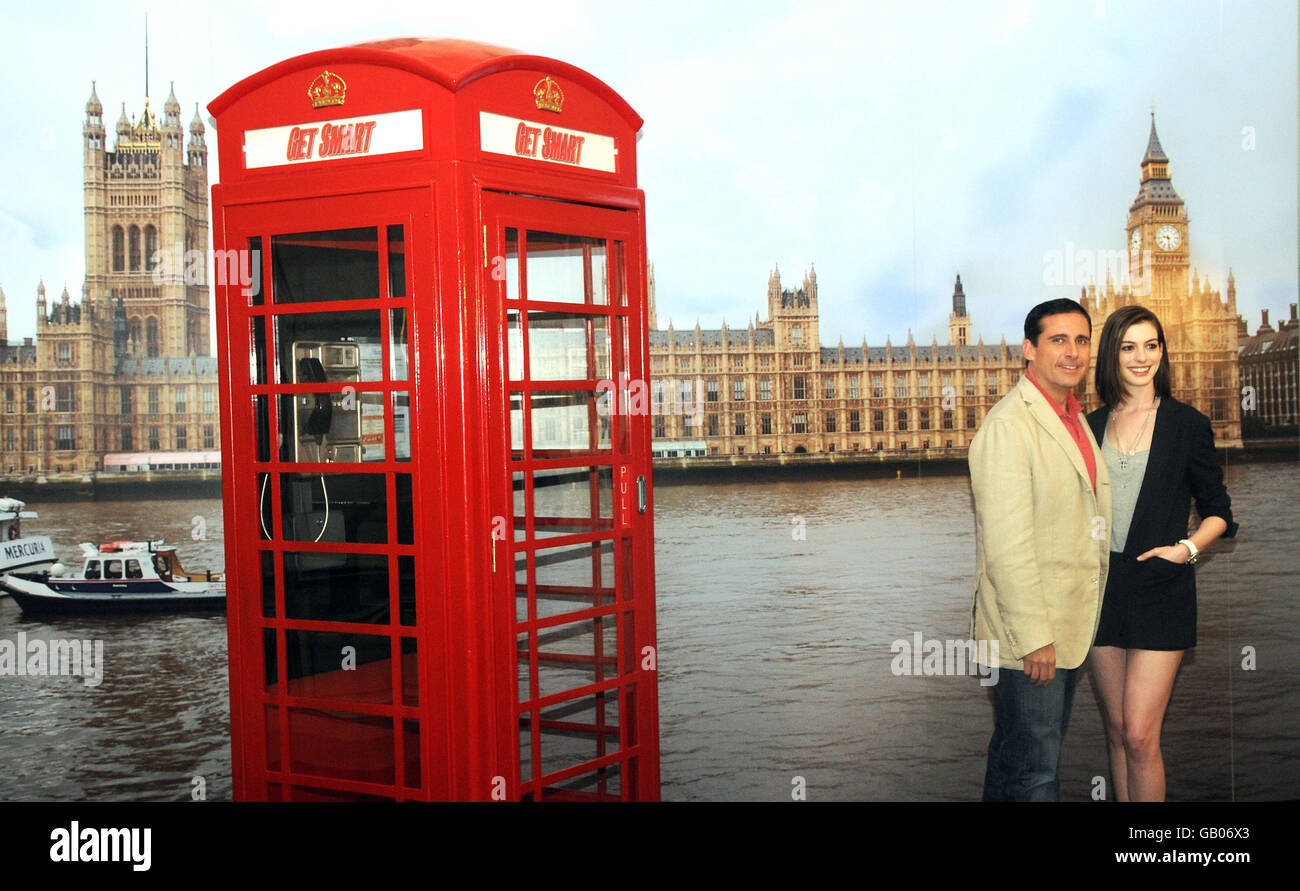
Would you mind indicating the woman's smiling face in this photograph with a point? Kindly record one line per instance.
(1139, 355)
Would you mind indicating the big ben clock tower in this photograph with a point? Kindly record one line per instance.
(1157, 234)
(1200, 326)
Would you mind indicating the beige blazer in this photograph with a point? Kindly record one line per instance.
(1042, 538)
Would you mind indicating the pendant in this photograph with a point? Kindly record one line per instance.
(1123, 462)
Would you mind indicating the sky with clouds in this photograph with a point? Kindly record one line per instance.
(894, 144)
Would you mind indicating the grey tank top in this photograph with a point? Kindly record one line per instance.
(1125, 483)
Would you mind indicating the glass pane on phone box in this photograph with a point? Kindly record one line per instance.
(262, 426)
(567, 346)
(517, 426)
(397, 344)
(320, 667)
(569, 500)
(353, 589)
(512, 264)
(337, 264)
(563, 267)
(396, 262)
(566, 422)
(618, 279)
(334, 507)
(520, 516)
(514, 345)
(333, 346)
(257, 351)
(401, 426)
(566, 578)
(406, 589)
(405, 508)
(250, 272)
(337, 427)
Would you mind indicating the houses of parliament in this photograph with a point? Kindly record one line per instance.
(122, 378)
(772, 388)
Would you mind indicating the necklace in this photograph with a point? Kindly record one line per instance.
(1123, 456)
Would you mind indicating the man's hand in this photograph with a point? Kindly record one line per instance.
(1040, 665)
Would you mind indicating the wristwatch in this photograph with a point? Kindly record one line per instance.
(1192, 549)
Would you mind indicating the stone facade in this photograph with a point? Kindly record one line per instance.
(126, 368)
(1268, 361)
(771, 388)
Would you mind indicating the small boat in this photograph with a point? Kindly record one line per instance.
(18, 553)
(120, 576)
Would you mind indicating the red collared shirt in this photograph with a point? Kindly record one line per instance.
(1070, 418)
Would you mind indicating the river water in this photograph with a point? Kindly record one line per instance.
(778, 605)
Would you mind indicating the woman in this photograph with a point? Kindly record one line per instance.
(1160, 453)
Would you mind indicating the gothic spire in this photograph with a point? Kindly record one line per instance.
(93, 106)
(1154, 151)
(172, 110)
(1156, 187)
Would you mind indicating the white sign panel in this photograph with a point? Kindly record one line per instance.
(376, 134)
(25, 552)
(521, 138)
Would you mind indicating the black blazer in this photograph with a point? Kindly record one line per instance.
(1182, 465)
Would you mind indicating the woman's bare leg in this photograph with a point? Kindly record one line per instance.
(1107, 666)
(1148, 683)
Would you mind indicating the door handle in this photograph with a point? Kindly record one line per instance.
(640, 495)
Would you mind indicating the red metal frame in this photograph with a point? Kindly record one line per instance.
(301, 731)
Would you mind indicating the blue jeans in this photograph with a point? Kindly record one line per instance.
(1028, 725)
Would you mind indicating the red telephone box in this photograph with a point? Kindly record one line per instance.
(431, 303)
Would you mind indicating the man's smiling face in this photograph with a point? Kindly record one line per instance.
(1059, 360)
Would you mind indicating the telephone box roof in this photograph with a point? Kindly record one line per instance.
(452, 63)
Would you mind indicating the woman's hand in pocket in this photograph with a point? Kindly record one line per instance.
(1173, 554)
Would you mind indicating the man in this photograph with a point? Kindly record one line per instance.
(1042, 512)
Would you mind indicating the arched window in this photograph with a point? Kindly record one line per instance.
(152, 346)
(135, 248)
(150, 246)
(119, 249)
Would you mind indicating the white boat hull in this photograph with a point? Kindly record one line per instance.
(38, 594)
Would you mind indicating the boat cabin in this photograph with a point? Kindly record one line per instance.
(130, 568)
(11, 518)
(138, 560)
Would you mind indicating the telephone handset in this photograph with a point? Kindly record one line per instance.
(317, 423)
(326, 426)
(316, 420)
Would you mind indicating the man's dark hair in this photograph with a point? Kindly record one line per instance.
(1110, 387)
(1034, 321)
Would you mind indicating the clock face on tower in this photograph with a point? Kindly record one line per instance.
(1135, 243)
(1167, 238)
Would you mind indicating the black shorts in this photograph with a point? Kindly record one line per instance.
(1148, 606)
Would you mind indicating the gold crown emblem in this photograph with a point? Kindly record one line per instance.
(548, 94)
(327, 89)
